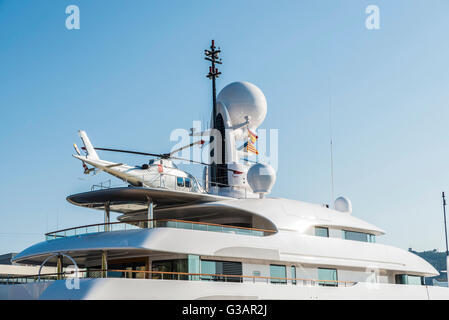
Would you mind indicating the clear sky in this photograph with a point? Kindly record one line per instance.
(134, 71)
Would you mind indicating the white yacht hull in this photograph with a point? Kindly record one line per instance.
(146, 289)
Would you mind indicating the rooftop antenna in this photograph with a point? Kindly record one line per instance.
(445, 233)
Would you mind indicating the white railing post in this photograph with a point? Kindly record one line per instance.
(150, 216)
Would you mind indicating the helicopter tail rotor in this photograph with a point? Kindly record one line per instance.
(87, 170)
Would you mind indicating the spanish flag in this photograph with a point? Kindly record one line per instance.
(252, 136)
(251, 148)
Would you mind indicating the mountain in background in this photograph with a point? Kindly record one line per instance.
(437, 260)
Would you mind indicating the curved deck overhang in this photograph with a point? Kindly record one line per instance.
(283, 246)
(295, 215)
(211, 212)
(132, 199)
(268, 213)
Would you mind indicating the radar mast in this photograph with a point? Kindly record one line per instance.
(218, 171)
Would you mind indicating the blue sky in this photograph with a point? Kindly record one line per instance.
(135, 71)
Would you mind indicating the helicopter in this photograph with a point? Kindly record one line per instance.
(161, 172)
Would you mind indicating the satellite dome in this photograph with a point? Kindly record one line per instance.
(343, 204)
(261, 178)
(243, 99)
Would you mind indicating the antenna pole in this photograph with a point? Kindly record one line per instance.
(445, 233)
(331, 145)
(445, 225)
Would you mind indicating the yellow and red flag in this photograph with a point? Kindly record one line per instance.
(252, 136)
(251, 148)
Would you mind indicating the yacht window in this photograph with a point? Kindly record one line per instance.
(130, 267)
(414, 280)
(329, 276)
(187, 182)
(293, 275)
(322, 232)
(358, 236)
(180, 181)
(221, 268)
(401, 279)
(177, 265)
(408, 279)
(194, 265)
(277, 271)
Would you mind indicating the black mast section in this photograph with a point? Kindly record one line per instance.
(212, 56)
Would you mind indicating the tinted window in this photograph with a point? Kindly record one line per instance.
(408, 279)
(277, 271)
(187, 182)
(321, 232)
(401, 279)
(178, 265)
(414, 280)
(293, 275)
(330, 275)
(358, 236)
(221, 268)
(180, 182)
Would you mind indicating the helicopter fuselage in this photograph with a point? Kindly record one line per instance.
(157, 174)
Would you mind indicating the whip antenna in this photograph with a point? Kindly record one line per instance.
(445, 233)
(331, 144)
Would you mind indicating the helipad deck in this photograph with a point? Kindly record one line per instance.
(131, 199)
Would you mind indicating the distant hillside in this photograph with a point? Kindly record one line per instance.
(436, 259)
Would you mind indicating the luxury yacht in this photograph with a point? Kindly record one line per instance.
(225, 240)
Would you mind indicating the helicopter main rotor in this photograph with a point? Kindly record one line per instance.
(167, 155)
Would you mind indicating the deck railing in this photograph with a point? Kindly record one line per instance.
(165, 275)
(21, 279)
(156, 223)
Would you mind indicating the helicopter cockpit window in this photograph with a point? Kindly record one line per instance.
(151, 161)
(187, 183)
(180, 181)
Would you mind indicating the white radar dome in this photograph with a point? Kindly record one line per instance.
(343, 204)
(242, 100)
(261, 178)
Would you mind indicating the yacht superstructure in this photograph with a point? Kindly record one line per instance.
(226, 240)
(216, 247)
